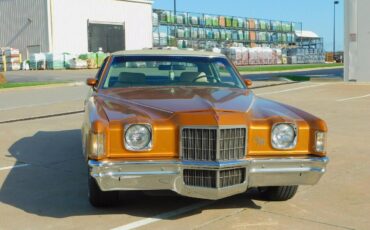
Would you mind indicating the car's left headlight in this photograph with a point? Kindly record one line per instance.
(320, 142)
(284, 136)
(138, 137)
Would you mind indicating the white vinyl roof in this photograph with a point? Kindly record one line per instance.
(306, 34)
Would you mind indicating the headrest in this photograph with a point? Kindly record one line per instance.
(191, 76)
(128, 77)
(188, 76)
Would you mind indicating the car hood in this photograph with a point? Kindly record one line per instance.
(118, 103)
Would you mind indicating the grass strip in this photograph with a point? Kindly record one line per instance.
(27, 84)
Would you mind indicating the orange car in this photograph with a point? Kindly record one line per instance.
(187, 122)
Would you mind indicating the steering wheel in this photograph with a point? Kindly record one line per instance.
(200, 77)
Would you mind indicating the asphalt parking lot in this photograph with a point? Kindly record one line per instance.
(44, 186)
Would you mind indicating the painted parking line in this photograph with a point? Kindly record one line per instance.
(293, 89)
(14, 167)
(353, 98)
(164, 216)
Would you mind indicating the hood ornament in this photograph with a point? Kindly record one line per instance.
(216, 115)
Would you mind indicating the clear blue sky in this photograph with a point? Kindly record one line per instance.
(316, 15)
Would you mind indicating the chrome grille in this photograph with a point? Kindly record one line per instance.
(214, 179)
(232, 143)
(199, 144)
(213, 144)
(232, 177)
(200, 178)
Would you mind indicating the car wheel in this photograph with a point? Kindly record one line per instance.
(278, 193)
(99, 198)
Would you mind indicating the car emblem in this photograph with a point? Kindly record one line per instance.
(260, 141)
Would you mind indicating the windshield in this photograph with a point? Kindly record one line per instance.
(146, 71)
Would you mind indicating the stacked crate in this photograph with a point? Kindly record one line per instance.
(305, 56)
(54, 61)
(205, 31)
(10, 59)
(37, 61)
(253, 56)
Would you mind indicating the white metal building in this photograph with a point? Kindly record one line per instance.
(75, 26)
(357, 40)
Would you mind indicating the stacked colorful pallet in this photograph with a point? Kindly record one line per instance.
(155, 19)
(305, 56)
(54, 61)
(37, 61)
(167, 17)
(94, 60)
(10, 59)
(253, 56)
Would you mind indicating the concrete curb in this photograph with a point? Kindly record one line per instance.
(288, 71)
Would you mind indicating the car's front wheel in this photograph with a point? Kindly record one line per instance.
(278, 193)
(99, 198)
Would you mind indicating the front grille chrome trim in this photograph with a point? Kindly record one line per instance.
(224, 143)
(214, 178)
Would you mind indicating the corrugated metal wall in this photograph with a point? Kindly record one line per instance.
(23, 23)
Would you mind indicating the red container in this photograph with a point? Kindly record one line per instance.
(252, 36)
(252, 24)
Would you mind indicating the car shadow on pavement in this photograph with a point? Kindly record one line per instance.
(54, 184)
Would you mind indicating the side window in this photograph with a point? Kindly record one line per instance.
(100, 72)
(223, 71)
(226, 74)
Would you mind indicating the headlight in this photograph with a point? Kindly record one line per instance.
(320, 142)
(97, 145)
(284, 136)
(138, 137)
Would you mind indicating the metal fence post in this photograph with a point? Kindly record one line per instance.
(4, 63)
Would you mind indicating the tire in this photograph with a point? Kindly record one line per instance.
(278, 193)
(99, 198)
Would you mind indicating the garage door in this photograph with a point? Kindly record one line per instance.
(109, 37)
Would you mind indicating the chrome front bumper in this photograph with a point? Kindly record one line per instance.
(168, 175)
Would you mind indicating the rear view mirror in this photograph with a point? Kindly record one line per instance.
(248, 82)
(178, 67)
(164, 67)
(91, 82)
(171, 67)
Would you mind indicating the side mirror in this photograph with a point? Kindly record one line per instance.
(248, 82)
(91, 82)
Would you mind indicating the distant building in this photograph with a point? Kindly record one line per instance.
(357, 40)
(75, 26)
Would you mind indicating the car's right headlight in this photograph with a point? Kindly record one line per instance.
(284, 136)
(138, 137)
(97, 145)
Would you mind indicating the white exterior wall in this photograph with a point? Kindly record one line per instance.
(69, 22)
(24, 23)
(357, 40)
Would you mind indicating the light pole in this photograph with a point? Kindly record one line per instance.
(335, 4)
(174, 7)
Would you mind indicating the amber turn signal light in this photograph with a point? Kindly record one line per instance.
(91, 82)
(248, 82)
